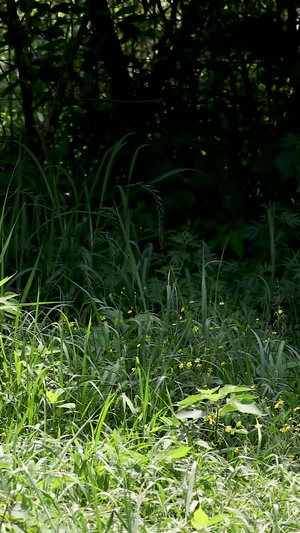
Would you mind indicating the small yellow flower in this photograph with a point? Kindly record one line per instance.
(220, 347)
(189, 364)
(278, 404)
(223, 363)
(221, 303)
(138, 345)
(239, 424)
(236, 449)
(182, 310)
(285, 428)
(180, 317)
(211, 328)
(129, 312)
(180, 350)
(228, 429)
(253, 386)
(297, 408)
(102, 317)
(192, 301)
(195, 329)
(148, 337)
(274, 332)
(197, 360)
(174, 324)
(181, 365)
(133, 369)
(258, 426)
(279, 312)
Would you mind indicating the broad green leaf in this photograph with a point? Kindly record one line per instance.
(193, 414)
(230, 389)
(67, 406)
(5, 465)
(245, 398)
(228, 408)
(285, 163)
(125, 11)
(191, 399)
(205, 394)
(200, 519)
(53, 396)
(250, 408)
(290, 140)
(203, 444)
(208, 391)
(177, 453)
(216, 519)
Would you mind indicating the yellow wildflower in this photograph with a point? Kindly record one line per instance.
(278, 404)
(285, 428)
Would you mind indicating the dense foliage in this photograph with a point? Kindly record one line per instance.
(212, 87)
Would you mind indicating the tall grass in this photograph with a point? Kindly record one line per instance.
(103, 341)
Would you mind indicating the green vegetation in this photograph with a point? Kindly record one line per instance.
(149, 266)
(144, 389)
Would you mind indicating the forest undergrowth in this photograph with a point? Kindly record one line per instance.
(149, 382)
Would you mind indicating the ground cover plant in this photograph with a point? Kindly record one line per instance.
(144, 388)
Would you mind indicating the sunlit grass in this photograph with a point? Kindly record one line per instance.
(90, 436)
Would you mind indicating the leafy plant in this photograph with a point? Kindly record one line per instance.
(217, 404)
